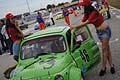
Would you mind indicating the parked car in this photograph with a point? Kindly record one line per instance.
(59, 15)
(56, 53)
(22, 25)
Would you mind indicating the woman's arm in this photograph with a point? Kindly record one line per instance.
(83, 24)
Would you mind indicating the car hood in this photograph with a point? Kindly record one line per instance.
(49, 66)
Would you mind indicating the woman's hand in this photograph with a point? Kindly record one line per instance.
(71, 27)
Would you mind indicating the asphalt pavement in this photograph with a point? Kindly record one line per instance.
(6, 60)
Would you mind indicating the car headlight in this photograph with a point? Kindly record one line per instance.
(59, 77)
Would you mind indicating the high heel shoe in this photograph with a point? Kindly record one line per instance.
(112, 70)
(102, 72)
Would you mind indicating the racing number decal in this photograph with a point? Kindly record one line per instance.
(84, 55)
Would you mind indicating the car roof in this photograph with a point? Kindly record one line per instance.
(48, 31)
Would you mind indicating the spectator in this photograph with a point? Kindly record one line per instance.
(7, 39)
(14, 34)
(2, 37)
(51, 17)
(40, 21)
(66, 15)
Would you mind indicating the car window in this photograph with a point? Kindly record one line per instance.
(42, 46)
(68, 34)
(81, 35)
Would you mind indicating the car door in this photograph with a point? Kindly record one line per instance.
(87, 53)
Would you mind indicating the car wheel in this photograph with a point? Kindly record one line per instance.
(82, 76)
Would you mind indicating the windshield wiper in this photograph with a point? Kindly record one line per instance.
(32, 63)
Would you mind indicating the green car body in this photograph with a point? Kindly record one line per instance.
(56, 53)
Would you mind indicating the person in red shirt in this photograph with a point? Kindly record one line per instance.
(14, 33)
(92, 16)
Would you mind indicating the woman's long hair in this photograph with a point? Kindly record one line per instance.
(89, 9)
(10, 25)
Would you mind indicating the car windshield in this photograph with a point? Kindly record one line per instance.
(43, 46)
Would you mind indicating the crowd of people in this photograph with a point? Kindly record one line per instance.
(11, 35)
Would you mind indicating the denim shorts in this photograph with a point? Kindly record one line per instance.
(16, 49)
(104, 34)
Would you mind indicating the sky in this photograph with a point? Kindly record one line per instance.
(20, 6)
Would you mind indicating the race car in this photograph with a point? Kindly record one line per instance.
(56, 53)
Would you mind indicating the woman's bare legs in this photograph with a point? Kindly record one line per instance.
(105, 44)
(106, 56)
(110, 58)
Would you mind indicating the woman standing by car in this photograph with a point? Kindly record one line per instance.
(14, 34)
(92, 16)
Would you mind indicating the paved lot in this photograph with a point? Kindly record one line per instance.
(7, 61)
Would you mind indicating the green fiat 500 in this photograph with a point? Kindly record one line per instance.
(56, 53)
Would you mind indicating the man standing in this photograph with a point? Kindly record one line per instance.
(51, 17)
(6, 37)
(40, 21)
(2, 37)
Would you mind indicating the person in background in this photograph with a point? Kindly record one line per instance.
(92, 16)
(74, 11)
(4, 33)
(41, 22)
(66, 16)
(14, 33)
(51, 17)
(106, 5)
(1, 40)
(2, 37)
